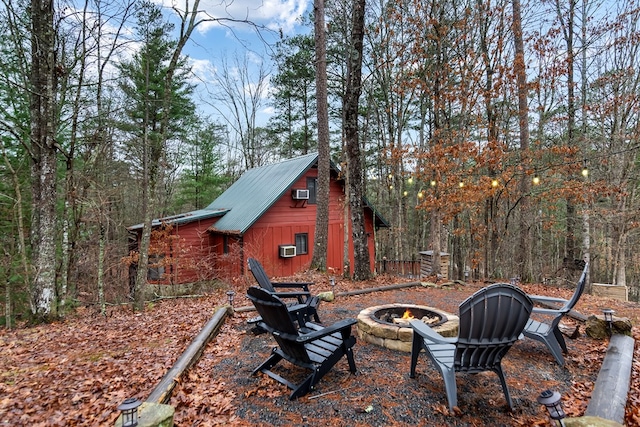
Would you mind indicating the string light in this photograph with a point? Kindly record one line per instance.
(494, 183)
(433, 183)
(410, 180)
(405, 193)
(536, 179)
(585, 170)
(461, 184)
(420, 195)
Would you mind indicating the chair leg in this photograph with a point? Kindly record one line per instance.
(305, 386)
(551, 342)
(503, 381)
(560, 338)
(449, 377)
(351, 360)
(269, 363)
(416, 347)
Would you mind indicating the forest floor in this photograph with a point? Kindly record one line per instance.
(77, 371)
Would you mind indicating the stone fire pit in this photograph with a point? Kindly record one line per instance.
(383, 324)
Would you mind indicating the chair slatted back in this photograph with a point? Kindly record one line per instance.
(275, 315)
(260, 275)
(491, 320)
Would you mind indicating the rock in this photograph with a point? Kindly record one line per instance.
(326, 296)
(597, 328)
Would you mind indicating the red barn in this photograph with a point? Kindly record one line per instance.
(269, 214)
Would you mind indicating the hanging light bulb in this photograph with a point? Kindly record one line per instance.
(420, 195)
(585, 170)
(536, 179)
(433, 183)
(390, 176)
(410, 180)
(461, 184)
(405, 192)
(494, 183)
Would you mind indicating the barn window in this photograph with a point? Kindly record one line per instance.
(225, 244)
(156, 267)
(311, 186)
(302, 240)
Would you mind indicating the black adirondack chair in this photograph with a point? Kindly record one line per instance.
(491, 320)
(305, 305)
(548, 332)
(311, 346)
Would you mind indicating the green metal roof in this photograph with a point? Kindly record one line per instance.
(256, 191)
(183, 218)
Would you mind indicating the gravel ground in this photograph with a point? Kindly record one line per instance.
(382, 394)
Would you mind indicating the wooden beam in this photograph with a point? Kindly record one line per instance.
(162, 392)
(609, 396)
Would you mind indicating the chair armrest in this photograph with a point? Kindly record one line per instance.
(336, 327)
(292, 294)
(545, 299)
(552, 311)
(303, 285)
(426, 332)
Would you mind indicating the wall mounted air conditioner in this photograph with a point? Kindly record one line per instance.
(287, 251)
(300, 194)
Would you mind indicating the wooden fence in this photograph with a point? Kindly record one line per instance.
(398, 268)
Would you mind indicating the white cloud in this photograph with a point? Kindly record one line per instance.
(273, 14)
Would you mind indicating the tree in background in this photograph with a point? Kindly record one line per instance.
(157, 108)
(294, 96)
(321, 236)
(202, 177)
(361, 268)
(43, 151)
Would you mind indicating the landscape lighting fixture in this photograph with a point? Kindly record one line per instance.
(585, 170)
(536, 179)
(552, 400)
(608, 317)
(129, 409)
(230, 295)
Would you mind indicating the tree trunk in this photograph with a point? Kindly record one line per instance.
(361, 268)
(44, 161)
(523, 254)
(319, 259)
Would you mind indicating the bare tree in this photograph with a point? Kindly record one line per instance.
(43, 150)
(361, 268)
(319, 260)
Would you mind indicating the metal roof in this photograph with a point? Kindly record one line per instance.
(256, 191)
(183, 218)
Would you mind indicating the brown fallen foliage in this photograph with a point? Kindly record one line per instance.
(77, 371)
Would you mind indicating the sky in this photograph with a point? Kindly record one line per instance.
(213, 43)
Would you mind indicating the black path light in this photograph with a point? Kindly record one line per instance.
(552, 400)
(230, 297)
(129, 409)
(608, 317)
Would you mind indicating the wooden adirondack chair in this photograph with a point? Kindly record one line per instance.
(305, 305)
(310, 346)
(491, 320)
(549, 332)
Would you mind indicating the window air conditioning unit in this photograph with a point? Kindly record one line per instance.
(287, 251)
(300, 194)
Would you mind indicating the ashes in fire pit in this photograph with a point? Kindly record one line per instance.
(398, 316)
(388, 325)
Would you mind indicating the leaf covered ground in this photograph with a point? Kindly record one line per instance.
(77, 371)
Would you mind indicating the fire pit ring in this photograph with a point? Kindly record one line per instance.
(380, 325)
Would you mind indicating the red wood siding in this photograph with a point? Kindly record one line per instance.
(288, 217)
(200, 255)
